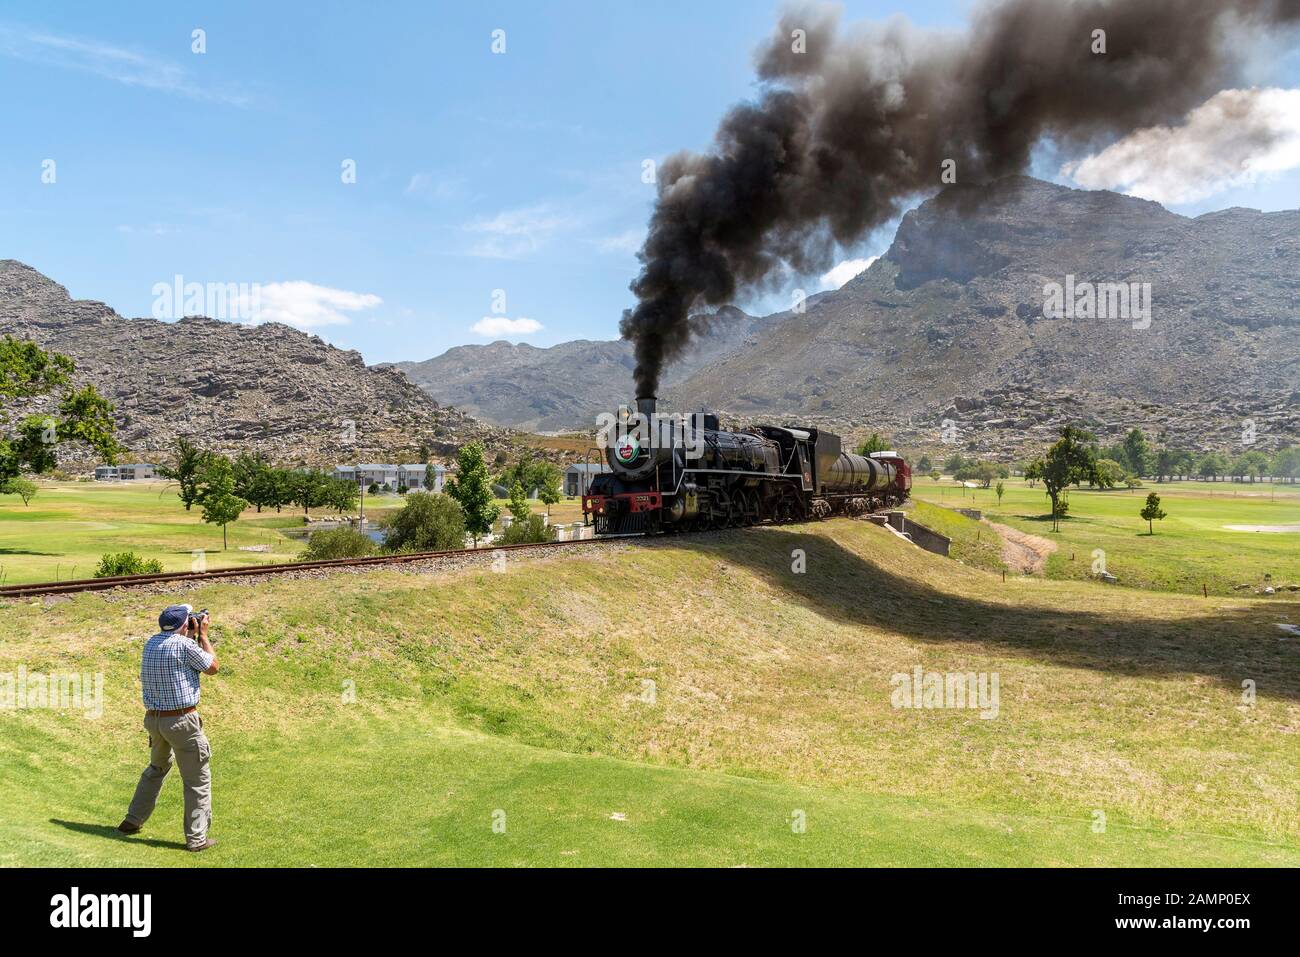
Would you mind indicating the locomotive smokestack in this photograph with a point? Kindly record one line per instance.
(646, 405)
(848, 125)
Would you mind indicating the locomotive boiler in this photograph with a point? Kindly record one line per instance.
(684, 473)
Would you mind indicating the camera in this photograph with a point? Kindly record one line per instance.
(195, 620)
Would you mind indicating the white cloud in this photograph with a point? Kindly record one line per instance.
(113, 63)
(845, 271)
(499, 327)
(514, 233)
(305, 305)
(1232, 139)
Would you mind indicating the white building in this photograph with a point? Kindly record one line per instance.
(136, 472)
(414, 478)
(577, 477)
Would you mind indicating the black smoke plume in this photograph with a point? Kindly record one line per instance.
(863, 120)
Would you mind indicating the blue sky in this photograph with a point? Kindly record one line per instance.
(474, 171)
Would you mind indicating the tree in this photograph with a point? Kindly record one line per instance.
(520, 471)
(924, 465)
(519, 507)
(999, 490)
(472, 489)
(1111, 471)
(222, 509)
(23, 488)
(1253, 464)
(187, 470)
(935, 475)
(216, 495)
(1070, 460)
(426, 522)
(311, 489)
(1212, 465)
(1286, 464)
(1152, 511)
(1137, 453)
(954, 463)
(27, 372)
(254, 479)
(985, 473)
(1171, 462)
(268, 487)
(342, 495)
(550, 487)
(875, 442)
(338, 543)
(283, 485)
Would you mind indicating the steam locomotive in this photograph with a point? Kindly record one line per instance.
(705, 478)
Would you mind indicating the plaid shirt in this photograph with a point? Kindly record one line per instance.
(169, 672)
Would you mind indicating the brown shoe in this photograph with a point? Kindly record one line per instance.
(126, 827)
(203, 847)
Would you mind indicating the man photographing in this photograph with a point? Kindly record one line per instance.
(169, 675)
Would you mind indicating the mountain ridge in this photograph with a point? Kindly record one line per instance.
(948, 325)
(230, 386)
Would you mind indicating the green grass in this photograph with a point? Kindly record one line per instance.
(523, 692)
(421, 791)
(972, 543)
(1190, 547)
(69, 526)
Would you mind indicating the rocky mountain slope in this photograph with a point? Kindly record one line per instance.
(950, 325)
(231, 386)
(567, 385)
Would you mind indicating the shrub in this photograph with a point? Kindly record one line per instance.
(426, 522)
(532, 529)
(127, 563)
(338, 543)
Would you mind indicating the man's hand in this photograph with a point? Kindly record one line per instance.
(207, 645)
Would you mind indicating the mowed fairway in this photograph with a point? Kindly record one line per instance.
(1190, 548)
(69, 526)
(690, 701)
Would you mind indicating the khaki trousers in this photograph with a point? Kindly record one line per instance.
(183, 736)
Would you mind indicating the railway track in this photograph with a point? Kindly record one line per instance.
(75, 585)
(72, 586)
